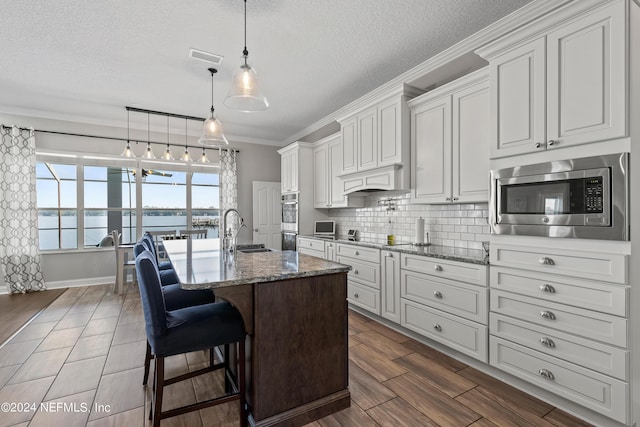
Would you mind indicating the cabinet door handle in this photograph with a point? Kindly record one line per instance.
(355, 271)
(437, 327)
(545, 373)
(548, 288)
(310, 244)
(546, 261)
(356, 295)
(551, 143)
(356, 253)
(538, 145)
(547, 342)
(454, 199)
(437, 268)
(546, 314)
(437, 294)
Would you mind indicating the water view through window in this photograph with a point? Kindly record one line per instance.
(93, 200)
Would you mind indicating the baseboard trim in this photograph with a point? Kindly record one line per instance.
(76, 283)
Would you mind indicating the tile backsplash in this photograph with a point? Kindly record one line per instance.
(456, 225)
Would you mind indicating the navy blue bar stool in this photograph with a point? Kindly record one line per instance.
(184, 330)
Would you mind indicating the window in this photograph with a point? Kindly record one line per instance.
(79, 204)
(56, 198)
(109, 203)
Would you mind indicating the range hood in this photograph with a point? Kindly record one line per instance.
(388, 178)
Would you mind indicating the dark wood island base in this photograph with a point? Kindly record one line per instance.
(299, 348)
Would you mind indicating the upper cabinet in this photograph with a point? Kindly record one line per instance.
(564, 88)
(327, 158)
(377, 135)
(450, 142)
(289, 165)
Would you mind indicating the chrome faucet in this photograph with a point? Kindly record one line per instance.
(229, 241)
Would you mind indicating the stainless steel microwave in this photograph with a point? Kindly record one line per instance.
(580, 198)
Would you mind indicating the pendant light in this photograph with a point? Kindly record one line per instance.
(212, 134)
(185, 157)
(149, 153)
(167, 154)
(203, 157)
(128, 152)
(245, 94)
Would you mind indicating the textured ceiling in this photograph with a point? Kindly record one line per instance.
(85, 60)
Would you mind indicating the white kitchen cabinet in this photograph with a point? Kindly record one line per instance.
(565, 88)
(450, 142)
(290, 165)
(328, 192)
(377, 134)
(330, 251)
(390, 288)
(313, 247)
(363, 280)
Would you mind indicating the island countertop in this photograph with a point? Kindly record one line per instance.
(199, 265)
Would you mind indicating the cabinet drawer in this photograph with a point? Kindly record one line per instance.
(609, 267)
(312, 252)
(313, 244)
(363, 297)
(460, 334)
(602, 358)
(589, 324)
(604, 297)
(598, 392)
(465, 272)
(453, 297)
(364, 272)
(359, 252)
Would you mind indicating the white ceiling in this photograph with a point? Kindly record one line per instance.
(86, 60)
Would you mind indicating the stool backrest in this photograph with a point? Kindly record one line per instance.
(151, 245)
(152, 298)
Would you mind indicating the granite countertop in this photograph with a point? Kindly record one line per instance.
(199, 264)
(473, 256)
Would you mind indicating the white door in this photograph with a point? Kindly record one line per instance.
(267, 214)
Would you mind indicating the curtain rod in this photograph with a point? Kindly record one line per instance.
(120, 139)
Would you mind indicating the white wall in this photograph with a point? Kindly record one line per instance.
(255, 163)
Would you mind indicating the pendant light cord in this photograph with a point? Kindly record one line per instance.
(245, 52)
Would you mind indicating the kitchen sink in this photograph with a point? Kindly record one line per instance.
(254, 250)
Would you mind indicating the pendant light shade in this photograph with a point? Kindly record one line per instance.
(203, 157)
(148, 154)
(245, 93)
(212, 133)
(186, 157)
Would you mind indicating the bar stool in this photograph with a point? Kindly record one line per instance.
(186, 330)
(123, 265)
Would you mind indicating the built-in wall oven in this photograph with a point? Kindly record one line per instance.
(580, 198)
(289, 221)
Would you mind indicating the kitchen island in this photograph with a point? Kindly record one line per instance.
(295, 311)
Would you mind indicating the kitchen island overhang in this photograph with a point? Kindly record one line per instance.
(295, 311)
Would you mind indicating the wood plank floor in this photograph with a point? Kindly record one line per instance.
(17, 309)
(87, 349)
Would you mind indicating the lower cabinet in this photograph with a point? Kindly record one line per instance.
(313, 247)
(363, 286)
(390, 286)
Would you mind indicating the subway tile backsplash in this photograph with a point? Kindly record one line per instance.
(456, 225)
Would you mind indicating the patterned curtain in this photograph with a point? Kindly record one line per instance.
(228, 186)
(19, 256)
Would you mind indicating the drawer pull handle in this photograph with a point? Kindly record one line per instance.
(546, 261)
(545, 373)
(547, 342)
(356, 295)
(547, 315)
(438, 268)
(389, 255)
(356, 253)
(551, 143)
(548, 288)
(437, 327)
(437, 294)
(310, 244)
(355, 271)
(538, 145)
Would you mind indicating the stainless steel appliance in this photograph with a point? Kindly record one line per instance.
(580, 198)
(289, 223)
